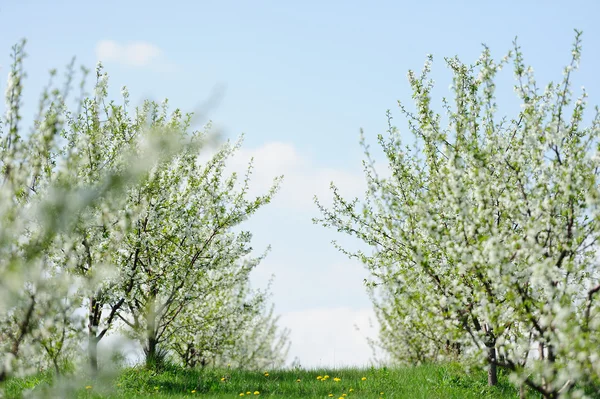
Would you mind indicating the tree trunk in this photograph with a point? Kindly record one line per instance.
(490, 343)
(151, 360)
(56, 366)
(492, 369)
(93, 352)
(94, 314)
(151, 339)
(551, 354)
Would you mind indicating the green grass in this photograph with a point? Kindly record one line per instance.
(427, 381)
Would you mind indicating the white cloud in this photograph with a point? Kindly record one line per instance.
(314, 281)
(302, 178)
(135, 54)
(328, 337)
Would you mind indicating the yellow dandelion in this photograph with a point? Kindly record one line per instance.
(326, 377)
(193, 391)
(344, 394)
(248, 393)
(242, 394)
(381, 393)
(337, 379)
(88, 387)
(156, 388)
(298, 380)
(351, 389)
(256, 393)
(319, 377)
(364, 378)
(330, 395)
(266, 374)
(223, 379)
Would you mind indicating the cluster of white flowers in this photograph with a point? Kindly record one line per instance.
(493, 256)
(98, 233)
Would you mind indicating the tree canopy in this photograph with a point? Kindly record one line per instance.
(111, 222)
(485, 233)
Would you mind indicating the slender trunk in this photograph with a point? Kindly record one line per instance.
(93, 322)
(93, 352)
(490, 343)
(151, 360)
(546, 354)
(191, 361)
(522, 391)
(56, 367)
(492, 369)
(551, 359)
(151, 339)
(551, 354)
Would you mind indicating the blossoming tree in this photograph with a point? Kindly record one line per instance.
(44, 195)
(239, 331)
(109, 211)
(183, 242)
(485, 234)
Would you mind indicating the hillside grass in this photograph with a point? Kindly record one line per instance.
(426, 381)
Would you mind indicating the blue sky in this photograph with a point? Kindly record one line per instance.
(299, 79)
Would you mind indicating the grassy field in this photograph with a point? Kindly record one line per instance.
(429, 381)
